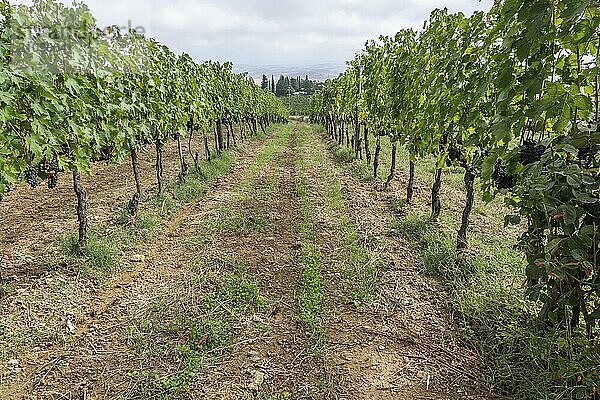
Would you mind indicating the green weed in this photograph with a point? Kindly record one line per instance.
(99, 257)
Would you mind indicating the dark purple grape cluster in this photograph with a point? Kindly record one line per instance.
(454, 152)
(32, 176)
(52, 171)
(65, 150)
(587, 157)
(500, 176)
(531, 152)
(105, 154)
(443, 141)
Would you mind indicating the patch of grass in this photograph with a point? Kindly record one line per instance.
(398, 206)
(246, 191)
(194, 186)
(268, 152)
(342, 154)
(228, 220)
(144, 227)
(359, 275)
(238, 295)
(437, 255)
(217, 167)
(268, 190)
(436, 249)
(361, 170)
(334, 192)
(199, 338)
(100, 255)
(247, 223)
(311, 298)
(164, 205)
(260, 135)
(189, 190)
(146, 222)
(189, 335)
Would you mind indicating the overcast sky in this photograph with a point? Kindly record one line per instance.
(271, 32)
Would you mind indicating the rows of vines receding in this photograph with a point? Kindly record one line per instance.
(71, 95)
(511, 96)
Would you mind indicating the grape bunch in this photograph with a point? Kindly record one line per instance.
(31, 176)
(443, 142)
(502, 179)
(454, 152)
(531, 152)
(52, 171)
(65, 150)
(587, 157)
(191, 126)
(105, 154)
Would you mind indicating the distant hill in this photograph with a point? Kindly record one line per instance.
(317, 72)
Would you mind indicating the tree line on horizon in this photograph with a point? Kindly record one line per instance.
(287, 86)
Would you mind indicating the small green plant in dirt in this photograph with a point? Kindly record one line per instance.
(237, 295)
(436, 250)
(398, 206)
(247, 223)
(99, 257)
(217, 167)
(190, 356)
(342, 154)
(334, 194)
(190, 189)
(142, 228)
(236, 221)
(359, 276)
(186, 341)
(146, 223)
(267, 191)
(311, 299)
(165, 206)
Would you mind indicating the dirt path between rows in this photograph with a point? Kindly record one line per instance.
(403, 343)
(283, 353)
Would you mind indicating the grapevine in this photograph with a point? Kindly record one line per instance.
(97, 98)
(511, 96)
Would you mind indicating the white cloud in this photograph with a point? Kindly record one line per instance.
(272, 32)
